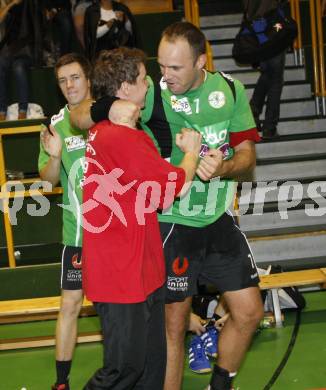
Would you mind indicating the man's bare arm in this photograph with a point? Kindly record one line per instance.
(189, 141)
(51, 171)
(80, 116)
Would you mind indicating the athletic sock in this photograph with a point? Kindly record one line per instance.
(63, 370)
(221, 379)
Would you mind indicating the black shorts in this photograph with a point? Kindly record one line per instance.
(71, 268)
(217, 254)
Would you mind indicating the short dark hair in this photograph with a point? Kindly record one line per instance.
(113, 67)
(71, 58)
(185, 30)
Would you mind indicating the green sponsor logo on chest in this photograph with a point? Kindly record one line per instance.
(75, 142)
(213, 135)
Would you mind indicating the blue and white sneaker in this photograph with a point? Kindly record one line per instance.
(198, 360)
(210, 338)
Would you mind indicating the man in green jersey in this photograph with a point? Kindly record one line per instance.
(61, 159)
(62, 147)
(202, 242)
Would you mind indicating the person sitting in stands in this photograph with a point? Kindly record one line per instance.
(78, 13)
(15, 54)
(58, 14)
(108, 25)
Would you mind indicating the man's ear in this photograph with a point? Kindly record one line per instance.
(201, 61)
(125, 90)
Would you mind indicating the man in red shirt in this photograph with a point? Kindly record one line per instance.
(126, 181)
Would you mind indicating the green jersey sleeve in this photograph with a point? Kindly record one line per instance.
(147, 111)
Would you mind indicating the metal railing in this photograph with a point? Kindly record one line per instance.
(297, 45)
(321, 57)
(6, 196)
(317, 41)
(191, 9)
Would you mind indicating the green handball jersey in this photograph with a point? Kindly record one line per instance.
(71, 174)
(215, 110)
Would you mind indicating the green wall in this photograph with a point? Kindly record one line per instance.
(30, 282)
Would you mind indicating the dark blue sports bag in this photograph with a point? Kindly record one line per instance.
(264, 38)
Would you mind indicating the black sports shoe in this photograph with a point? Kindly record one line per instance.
(269, 133)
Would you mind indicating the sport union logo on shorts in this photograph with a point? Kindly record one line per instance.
(180, 266)
(177, 283)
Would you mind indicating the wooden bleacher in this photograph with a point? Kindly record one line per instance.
(146, 6)
(294, 278)
(45, 341)
(273, 282)
(36, 309)
(22, 310)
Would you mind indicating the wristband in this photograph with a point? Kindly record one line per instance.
(100, 109)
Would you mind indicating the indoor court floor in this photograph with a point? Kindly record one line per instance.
(288, 358)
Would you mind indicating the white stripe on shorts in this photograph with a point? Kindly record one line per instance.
(62, 257)
(169, 234)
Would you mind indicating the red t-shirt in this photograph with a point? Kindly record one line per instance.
(126, 180)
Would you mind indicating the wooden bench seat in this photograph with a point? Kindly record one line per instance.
(36, 309)
(48, 307)
(45, 341)
(23, 310)
(273, 282)
(293, 278)
(145, 6)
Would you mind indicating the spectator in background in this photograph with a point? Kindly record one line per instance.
(79, 10)
(58, 13)
(18, 51)
(108, 25)
(270, 83)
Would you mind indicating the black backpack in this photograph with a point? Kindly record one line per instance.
(263, 38)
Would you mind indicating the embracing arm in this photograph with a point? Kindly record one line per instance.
(242, 162)
(87, 113)
(80, 116)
